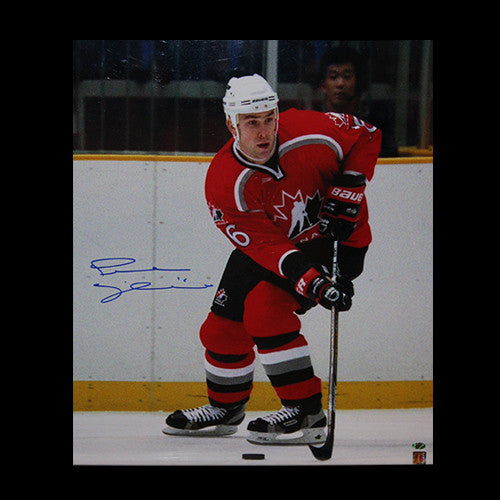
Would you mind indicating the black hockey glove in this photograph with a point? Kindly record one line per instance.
(339, 213)
(318, 286)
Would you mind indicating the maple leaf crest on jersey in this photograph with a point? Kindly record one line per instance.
(303, 214)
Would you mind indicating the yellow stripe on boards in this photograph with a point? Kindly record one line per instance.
(170, 396)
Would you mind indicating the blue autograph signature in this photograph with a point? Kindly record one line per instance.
(110, 266)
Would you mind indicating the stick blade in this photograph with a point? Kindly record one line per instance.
(323, 452)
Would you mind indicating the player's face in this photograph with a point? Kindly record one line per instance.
(257, 133)
(339, 87)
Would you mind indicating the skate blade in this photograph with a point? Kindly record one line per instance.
(301, 437)
(218, 430)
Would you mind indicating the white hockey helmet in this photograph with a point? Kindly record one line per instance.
(248, 94)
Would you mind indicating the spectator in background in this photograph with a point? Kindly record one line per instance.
(343, 80)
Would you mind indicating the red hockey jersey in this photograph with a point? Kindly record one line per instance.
(265, 210)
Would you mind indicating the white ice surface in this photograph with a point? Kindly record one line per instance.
(362, 437)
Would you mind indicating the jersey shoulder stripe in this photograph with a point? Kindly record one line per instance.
(239, 188)
(305, 140)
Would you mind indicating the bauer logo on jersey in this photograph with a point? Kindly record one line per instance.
(302, 214)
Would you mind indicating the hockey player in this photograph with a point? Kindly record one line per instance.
(281, 189)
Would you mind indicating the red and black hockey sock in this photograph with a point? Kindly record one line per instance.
(287, 364)
(229, 361)
(275, 328)
(229, 378)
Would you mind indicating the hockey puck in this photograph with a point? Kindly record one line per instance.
(253, 456)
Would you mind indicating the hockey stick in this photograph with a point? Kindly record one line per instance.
(324, 452)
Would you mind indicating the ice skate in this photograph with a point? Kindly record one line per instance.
(290, 425)
(205, 420)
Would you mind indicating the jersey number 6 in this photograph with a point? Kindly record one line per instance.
(238, 237)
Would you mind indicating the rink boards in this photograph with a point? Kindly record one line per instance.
(147, 260)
